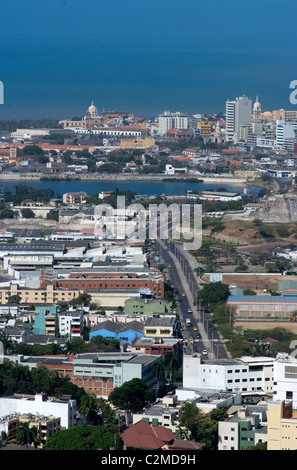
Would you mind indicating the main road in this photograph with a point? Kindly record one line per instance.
(204, 335)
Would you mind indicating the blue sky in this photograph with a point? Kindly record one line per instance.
(57, 56)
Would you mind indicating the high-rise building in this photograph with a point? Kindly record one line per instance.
(238, 113)
(169, 120)
(285, 134)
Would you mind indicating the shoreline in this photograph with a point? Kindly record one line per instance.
(124, 177)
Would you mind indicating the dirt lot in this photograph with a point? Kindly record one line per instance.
(256, 282)
(291, 326)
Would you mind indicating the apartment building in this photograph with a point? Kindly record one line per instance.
(205, 128)
(242, 430)
(40, 405)
(281, 425)
(75, 198)
(168, 121)
(245, 374)
(71, 324)
(43, 295)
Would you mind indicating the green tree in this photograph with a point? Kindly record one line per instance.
(84, 438)
(89, 407)
(213, 293)
(83, 299)
(27, 213)
(53, 215)
(14, 299)
(258, 446)
(26, 434)
(131, 396)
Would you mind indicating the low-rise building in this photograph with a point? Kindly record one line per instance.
(164, 412)
(161, 327)
(99, 373)
(137, 306)
(157, 346)
(125, 332)
(238, 375)
(75, 197)
(262, 306)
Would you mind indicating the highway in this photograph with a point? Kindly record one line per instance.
(184, 280)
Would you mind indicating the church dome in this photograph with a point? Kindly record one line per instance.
(93, 110)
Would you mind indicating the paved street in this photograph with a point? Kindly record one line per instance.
(184, 279)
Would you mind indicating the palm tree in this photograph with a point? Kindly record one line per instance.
(26, 434)
(89, 406)
(4, 439)
(171, 364)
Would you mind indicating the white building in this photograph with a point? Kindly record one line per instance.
(169, 120)
(285, 378)
(245, 374)
(238, 113)
(285, 134)
(71, 324)
(40, 404)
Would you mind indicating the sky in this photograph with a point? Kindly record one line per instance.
(57, 56)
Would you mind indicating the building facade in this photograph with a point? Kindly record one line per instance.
(238, 113)
(245, 374)
(262, 306)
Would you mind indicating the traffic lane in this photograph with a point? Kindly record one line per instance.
(182, 300)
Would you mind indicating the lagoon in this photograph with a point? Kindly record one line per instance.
(149, 188)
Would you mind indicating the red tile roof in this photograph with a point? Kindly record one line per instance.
(144, 436)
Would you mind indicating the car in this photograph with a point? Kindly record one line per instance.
(191, 339)
(198, 335)
(190, 311)
(195, 328)
(169, 265)
(183, 294)
(204, 352)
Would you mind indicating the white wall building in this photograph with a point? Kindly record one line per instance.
(285, 132)
(40, 405)
(71, 324)
(246, 374)
(285, 378)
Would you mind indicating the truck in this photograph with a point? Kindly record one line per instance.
(188, 322)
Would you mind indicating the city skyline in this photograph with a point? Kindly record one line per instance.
(59, 57)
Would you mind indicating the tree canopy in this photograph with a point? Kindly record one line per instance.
(132, 395)
(84, 438)
(213, 293)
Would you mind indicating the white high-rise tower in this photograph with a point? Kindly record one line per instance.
(238, 113)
